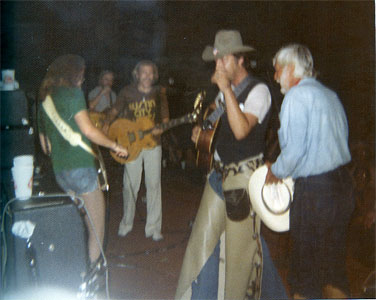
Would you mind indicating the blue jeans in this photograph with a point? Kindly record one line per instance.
(206, 285)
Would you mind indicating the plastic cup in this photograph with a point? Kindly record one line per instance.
(7, 76)
(23, 181)
(8, 80)
(23, 160)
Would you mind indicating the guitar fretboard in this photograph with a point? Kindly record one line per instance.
(175, 122)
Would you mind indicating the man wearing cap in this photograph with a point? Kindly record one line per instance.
(225, 221)
(314, 151)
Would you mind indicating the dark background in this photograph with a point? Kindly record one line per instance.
(115, 35)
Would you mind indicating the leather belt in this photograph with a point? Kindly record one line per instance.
(251, 163)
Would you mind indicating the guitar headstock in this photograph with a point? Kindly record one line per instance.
(197, 106)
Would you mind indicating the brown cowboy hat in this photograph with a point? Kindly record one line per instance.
(226, 42)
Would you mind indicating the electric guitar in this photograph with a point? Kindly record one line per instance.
(135, 136)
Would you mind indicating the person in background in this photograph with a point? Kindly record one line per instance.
(225, 206)
(314, 151)
(139, 100)
(102, 97)
(73, 166)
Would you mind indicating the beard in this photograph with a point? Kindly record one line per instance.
(284, 81)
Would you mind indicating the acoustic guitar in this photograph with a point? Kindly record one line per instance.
(137, 135)
(205, 142)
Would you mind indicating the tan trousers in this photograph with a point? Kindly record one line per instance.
(243, 256)
(150, 161)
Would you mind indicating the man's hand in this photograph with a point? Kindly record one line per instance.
(195, 132)
(270, 177)
(220, 78)
(120, 150)
(106, 91)
(156, 131)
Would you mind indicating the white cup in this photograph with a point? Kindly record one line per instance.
(8, 80)
(23, 160)
(23, 181)
(7, 76)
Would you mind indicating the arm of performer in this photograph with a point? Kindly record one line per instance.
(45, 143)
(95, 135)
(270, 177)
(105, 91)
(241, 123)
(43, 139)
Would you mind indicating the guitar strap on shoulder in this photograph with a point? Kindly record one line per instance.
(220, 102)
(74, 138)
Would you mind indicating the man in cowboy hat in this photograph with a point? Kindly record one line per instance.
(314, 150)
(224, 218)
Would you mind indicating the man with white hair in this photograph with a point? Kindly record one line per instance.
(314, 151)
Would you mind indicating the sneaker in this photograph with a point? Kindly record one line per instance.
(123, 230)
(157, 236)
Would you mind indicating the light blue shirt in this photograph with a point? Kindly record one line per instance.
(314, 132)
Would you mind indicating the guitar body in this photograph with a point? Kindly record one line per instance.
(205, 144)
(97, 118)
(133, 136)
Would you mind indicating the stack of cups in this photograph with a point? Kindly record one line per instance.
(22, 171)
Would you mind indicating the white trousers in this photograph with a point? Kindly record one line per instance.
(150, 159)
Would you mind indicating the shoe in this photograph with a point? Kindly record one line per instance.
(123, 230)
(157, 236)
(95, 280)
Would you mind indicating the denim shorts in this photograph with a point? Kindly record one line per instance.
(79, 181)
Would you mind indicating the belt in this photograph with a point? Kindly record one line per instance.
(251, 163)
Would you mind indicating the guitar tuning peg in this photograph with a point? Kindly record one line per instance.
(199, 99)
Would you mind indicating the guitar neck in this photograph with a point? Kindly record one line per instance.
(172, 123)
(175, 122)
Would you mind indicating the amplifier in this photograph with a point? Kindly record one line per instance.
(55, 255)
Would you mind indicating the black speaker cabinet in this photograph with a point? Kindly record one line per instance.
(56, 253)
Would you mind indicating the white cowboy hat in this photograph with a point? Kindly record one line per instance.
(271, 202)
(226, 42)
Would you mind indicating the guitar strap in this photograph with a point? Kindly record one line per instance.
(220, 102)
(74, 138)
